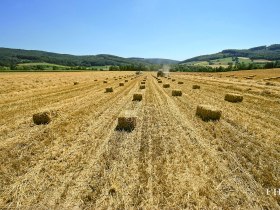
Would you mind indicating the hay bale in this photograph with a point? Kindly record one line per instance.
(109, 90)
(176, 92)
(265, 92)
(166, 85)
(76, 83)
(126, 122)
(180, 82)
(173, 80)
(105, 81)
(234, 98)
(42, 118)
(168, 78)
(126, 80)
(95, 80)
(195, 87)
(121, 84)
(159, 81)
(142, 87)
(137, 97)
(143, 83)
(270, 84)
(160, 74)
(207, 112)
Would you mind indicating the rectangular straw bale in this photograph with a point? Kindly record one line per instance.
(126, 122)
(176, 92)
(196, 87)
(166, 85)
(207, 112)
(109, 90)
(234, 98)
(137, 97)
(142, 87)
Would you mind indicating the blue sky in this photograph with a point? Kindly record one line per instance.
(175, 29)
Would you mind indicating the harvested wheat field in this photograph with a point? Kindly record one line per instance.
(171, 159)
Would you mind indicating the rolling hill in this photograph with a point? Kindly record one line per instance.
(155, 60)
(261, 54)
(16, 56)
(10, 56)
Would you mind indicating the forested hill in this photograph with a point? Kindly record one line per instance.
(271, 53)
(16, 56)
(155, 60)
(10, 56)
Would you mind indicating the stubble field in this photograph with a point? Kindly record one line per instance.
(171, 160)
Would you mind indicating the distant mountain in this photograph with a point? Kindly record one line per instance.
(15, 56)
(270, 53)
(155, 60)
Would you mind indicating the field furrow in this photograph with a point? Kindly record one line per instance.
(171, 160)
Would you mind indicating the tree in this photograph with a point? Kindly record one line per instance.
(114, 68)
(13, 66)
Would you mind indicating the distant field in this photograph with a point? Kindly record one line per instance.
(50, 67)
(261, 61)
(171, 160)
(43, 64)
(264, 74)
(225, 61)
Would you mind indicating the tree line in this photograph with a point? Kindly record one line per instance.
(231, 67)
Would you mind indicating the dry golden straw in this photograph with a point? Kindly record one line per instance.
(160, 74)
(176, 92)
(196, 87)
(42, 118)
(166, 85)
(207, 112)
(126, 123)
(171, 160)
(109, 90)
(234, 98)
(137, 97)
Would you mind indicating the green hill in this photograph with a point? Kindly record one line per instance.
(10, 57)
(155, 60)
(259, 54)
(17, 56)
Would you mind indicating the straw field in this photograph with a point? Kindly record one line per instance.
(171, 159)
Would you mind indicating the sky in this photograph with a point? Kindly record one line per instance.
(173, 29)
